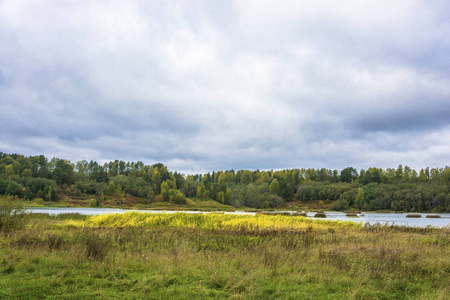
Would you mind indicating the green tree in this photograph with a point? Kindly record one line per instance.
(360, 201)
(9, 171)
(14, 189)
(26, 173)
(399, 172)
(111, 188)
(348, 174)
(220, 197)
(82, 170)
(222, 179)
(228, 197)
(274, 187)
(157, 180)
(165, 191)
(246, 177)
(201, 191)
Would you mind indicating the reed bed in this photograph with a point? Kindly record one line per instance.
(208, 221)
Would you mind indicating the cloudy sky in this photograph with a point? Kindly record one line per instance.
(213, 85)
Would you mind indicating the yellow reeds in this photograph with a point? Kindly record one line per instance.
(208, 221)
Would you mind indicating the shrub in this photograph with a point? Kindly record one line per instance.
(176, 196)
(95, 203)
(340, 205)
(12, 214)
(41, 187)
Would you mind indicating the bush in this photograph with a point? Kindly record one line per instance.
(95, 203)
(176, 196)
(340, 205)
(12, 214)
(41, 187)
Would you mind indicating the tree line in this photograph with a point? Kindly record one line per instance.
(399, 189)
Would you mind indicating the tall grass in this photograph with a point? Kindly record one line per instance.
(179, 256)
(12, 214)
(209, 221)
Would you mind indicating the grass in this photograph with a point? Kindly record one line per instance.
(179, 256)
(12, 214)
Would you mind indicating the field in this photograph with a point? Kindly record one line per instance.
(179, 256)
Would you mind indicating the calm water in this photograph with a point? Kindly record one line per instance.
(372, 218)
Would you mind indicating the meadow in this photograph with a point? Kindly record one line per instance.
(179, 256)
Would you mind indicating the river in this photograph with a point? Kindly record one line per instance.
(365, 217)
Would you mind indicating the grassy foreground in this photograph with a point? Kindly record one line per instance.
(179, 256)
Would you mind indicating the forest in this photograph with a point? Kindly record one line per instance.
(397, 189)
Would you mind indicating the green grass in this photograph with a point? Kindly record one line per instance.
(179, 256)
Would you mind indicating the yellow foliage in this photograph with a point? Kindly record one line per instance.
(209, 221)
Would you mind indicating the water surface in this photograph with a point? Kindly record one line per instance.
(365, 217)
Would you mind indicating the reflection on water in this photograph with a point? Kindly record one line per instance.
(365, 217)
(393, 219)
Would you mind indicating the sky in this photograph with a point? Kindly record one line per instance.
(214, 85)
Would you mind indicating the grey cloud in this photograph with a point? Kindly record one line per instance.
(405, 120)
(204, 86)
